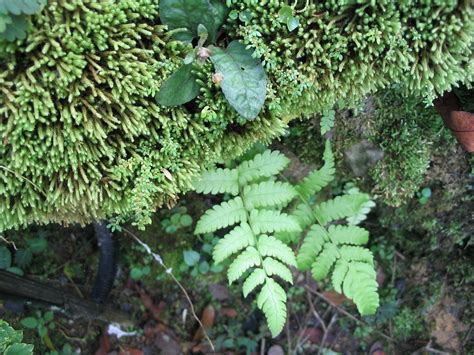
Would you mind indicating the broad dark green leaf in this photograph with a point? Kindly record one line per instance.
(245, 82)
(179, 88)
(220, 11)
(189, 14)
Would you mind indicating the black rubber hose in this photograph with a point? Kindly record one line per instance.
(107, 269)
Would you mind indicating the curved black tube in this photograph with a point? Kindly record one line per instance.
(107, 269)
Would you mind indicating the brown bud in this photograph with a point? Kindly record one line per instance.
(217, 78)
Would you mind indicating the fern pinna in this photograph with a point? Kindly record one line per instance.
(255, 210)
(338, 247)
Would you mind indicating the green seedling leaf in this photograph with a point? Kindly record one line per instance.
(29, 322)
(19, 349)
(244, 80)
(245, 16)
(186, 220)
(292, 23)
(5, 258)
(285, 13)
(48, 316)
(234, 15)
(191, 257)
(23, 257)
(179, 88)
(38, 245)
(188, 15)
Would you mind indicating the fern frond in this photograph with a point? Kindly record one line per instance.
(348, 235)
(249, 258)
(340, 207)
(237, 239)
(218, 181)
(268, 194)
(325, 260)
(311, 247)
(327, 121)
(274, 267)
(272, 301)
(266, 164)
(270, 246)
(319, 179)
(268, 221)
(257, 277)
(221, 216)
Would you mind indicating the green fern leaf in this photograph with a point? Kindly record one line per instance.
(311, 247)
(321, 267)
(257, 277)
(249, 258)
(218, 181)
(268, 221)
(353, 253)
(274, 267)
(266, 164)
(272, 301)
(348, 235)
(319, 179)
(270, 246)
(339, 208)
(223, 215)
(268, 194)
(339, 274)
(237, 239)
(361, 286)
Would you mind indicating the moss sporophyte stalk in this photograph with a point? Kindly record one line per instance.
(84, 138)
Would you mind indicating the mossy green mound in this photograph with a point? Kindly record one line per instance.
(83, 137)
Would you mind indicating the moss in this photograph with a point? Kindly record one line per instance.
(83, 137)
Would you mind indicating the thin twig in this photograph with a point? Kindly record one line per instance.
(347, 314)
(288, 335)
(326, 333)
(8, 242)
(262, 347)
(170, 273)
(315, 313)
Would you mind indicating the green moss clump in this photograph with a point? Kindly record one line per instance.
(83, 137)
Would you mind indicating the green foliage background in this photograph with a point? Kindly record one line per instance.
(83, 137)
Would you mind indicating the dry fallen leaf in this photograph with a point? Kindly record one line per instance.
(208, 318)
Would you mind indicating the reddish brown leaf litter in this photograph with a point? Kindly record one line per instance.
(460, 122)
